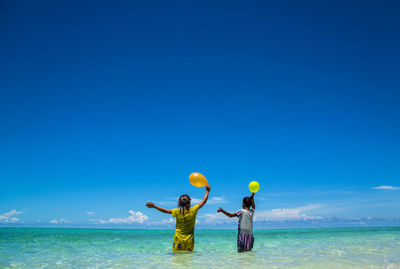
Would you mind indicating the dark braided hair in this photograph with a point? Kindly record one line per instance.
(184, 202)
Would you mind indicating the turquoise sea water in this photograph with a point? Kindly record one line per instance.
(295, 248)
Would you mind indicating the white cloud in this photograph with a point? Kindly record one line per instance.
(385, 187)
(195, 201)
(59, 221)
(278, 214)
(8, 217)
(211, 201)
(134, 217)
(282, 214)
(216, 218)
(167, 221)
(13, 212)
(90, 213)
(162, 222)
(98, 221)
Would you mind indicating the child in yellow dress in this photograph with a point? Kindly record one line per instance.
(185, 220)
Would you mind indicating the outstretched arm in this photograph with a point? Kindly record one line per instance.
(231, 215)
(253, 204)
(204, 201)
(164, 210)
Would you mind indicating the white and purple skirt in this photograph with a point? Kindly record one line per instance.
(245, 242)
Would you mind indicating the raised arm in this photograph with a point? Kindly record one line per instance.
(226, 213)
(204, 201)
(159, 208)
(253, 204)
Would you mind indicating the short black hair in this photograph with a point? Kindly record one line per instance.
(247, 201)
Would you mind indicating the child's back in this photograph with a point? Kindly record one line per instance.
(245, 229)
(185, 220)
(184, 229)
(245, 239)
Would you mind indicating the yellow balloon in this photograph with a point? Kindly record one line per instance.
(254, 186)
(197, 180)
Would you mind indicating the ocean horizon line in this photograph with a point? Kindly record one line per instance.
(201, 229)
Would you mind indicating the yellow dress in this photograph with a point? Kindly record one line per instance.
(184, 229)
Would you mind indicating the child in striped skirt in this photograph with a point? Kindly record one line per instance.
(245, 238)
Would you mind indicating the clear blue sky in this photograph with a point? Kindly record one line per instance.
(104, 106)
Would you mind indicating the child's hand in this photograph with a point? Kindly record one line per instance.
(150, 204)
(208, 187)
(219, 209)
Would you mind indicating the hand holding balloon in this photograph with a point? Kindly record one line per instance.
(208, 187)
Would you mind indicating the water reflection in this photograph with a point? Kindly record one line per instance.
(182, 258)
(246, 259)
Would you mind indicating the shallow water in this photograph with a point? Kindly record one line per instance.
(295, 248)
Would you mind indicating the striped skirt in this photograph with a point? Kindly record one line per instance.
(245, 242)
